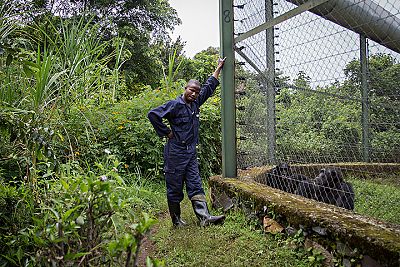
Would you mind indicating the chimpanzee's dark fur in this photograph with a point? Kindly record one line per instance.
(328, 186)
(278, 177)
(307, 188)
(294, 181)
(328, 182)
(282, 177)
(346, 198)
(332, 189)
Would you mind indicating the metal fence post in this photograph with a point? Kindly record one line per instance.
(270, 69)
(364, 98)
(228, 116)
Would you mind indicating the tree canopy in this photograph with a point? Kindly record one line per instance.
(142, 24)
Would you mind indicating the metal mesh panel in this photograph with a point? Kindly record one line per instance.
(320, 93)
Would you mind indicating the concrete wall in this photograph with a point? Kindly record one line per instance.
(370, 241)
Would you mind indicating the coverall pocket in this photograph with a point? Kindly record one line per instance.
(169, 167)
(180, 120)
(181, 124)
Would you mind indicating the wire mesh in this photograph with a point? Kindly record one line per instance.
(318, 99)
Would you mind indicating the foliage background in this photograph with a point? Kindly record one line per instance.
(80, 162)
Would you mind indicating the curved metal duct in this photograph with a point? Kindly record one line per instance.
(362, 16)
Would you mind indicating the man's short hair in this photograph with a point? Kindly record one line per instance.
(193, 81)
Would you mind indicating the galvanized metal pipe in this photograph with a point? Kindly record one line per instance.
(270, 86)
(228, 116)
(364, 98)
(363, 17)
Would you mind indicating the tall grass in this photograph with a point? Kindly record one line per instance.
(64, 64)
(7, 21)
(7, 26)
(377, 200)
(171, 74)
(84, 57)
(46, 80)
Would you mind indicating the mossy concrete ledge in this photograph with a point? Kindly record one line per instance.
(377, 239)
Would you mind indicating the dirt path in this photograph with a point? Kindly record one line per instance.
(148, 247)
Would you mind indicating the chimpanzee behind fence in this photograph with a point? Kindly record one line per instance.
(278, 177)
(282, 178)
(328, 186)
(307, 189)
(347, 196)
(332, 188)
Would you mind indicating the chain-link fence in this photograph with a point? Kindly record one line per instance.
(318, 98)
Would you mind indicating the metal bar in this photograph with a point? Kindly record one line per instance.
(269, 84)
(228, 116)
(251, 63)
(294, 12)
(364, 97)
(366, 17)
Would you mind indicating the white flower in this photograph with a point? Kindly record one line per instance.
(107, 151)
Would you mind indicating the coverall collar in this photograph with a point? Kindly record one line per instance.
(181, 101)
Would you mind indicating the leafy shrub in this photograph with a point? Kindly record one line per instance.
(126, 132)
(17, 206)
(382, 145)
(80, 219)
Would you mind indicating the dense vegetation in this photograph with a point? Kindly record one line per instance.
(315, 123)
(77, 151)
(80, 165)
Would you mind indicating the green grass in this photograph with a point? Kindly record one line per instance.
(240, 242)
(377, 199)
(235, 243)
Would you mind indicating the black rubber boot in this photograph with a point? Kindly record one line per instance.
(175, 212)
(201, 210)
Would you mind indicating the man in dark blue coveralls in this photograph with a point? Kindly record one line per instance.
(180, 156)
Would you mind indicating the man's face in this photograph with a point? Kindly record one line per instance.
(191, 93)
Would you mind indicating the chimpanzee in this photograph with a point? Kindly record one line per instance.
(278, 177)
(328, 187)
(307, 188)
(328, 182)
(282, 178)
(295, 180)
(332, 189)
(346, 197)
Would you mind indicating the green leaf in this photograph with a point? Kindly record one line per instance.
(113, 247)
(54, 212)
(84, 187)
(9, 259)
(69, 212)
(9, 60)
(19, 253)
(119, 179)
(73, 256)
(60, 136)
(64, 184)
